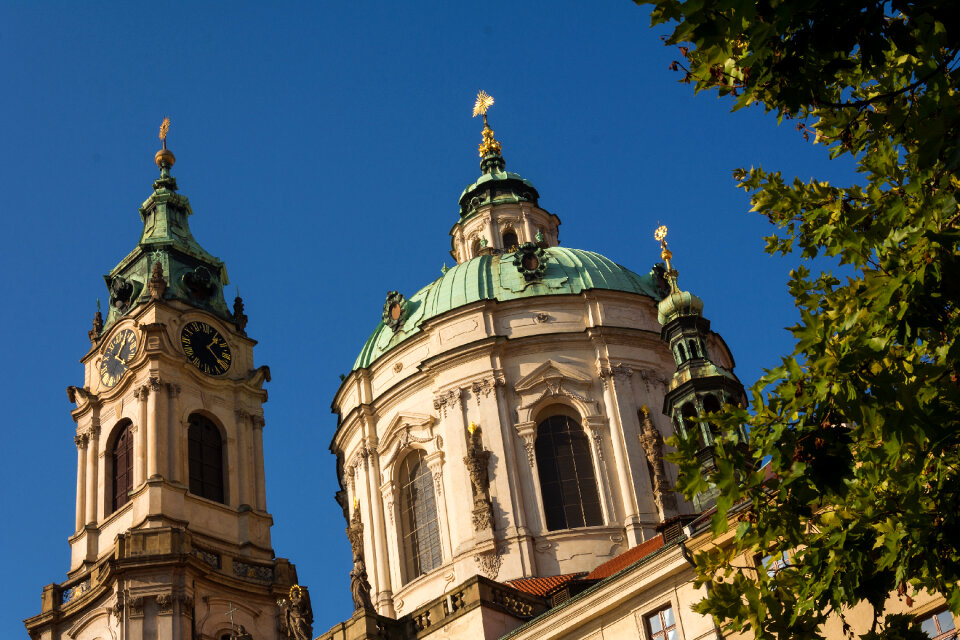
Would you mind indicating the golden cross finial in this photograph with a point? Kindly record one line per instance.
(484, 102)
(164, 129)
(660, 235)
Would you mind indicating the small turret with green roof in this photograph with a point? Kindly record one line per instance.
(167, 263)
(699, 386)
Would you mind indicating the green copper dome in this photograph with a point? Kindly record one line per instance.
(495, 277)
(678, 304)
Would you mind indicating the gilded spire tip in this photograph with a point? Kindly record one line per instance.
(490, 145)
(484, 102)
(660, 235)
(164, 158)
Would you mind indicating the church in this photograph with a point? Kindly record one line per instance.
(499, 444)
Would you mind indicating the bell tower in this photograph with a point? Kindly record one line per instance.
(699, 385)
(172, 534)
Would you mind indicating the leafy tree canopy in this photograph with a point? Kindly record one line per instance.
(860, 425)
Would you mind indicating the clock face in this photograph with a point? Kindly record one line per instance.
(119, 351)
(205, 348)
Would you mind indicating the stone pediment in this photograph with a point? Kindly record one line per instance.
(402, 430)
(551, 374)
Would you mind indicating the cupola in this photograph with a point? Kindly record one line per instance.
(500, 211)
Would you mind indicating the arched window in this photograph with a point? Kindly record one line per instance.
(510, 239)
(567, 482)
(681, 354)
(418, 517)
(688, 422)
(711, 405)
(122, 460)
(694, 349)
(475, 248)
(206, 458)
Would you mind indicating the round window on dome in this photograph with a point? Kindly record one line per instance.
(530, 262)
(395, 311)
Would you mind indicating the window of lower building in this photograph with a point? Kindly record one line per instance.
(939, 626)
(662, 625)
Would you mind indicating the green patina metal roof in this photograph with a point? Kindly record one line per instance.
(494, 277)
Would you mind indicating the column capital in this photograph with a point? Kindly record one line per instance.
(155, 383)
(81, 440)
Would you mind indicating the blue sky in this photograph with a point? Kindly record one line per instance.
(323, 147)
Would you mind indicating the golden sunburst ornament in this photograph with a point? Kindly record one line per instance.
(164, 129)
(484, 102)
(661, 233)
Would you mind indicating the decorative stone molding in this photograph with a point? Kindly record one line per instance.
(388, 492)
(81, 441)
(155, 383)
(402, 430)
(488, 562)
(528, 433)
(165, 603)
(435, 464)
(595, 426)
(552, 381)
(209, 557)
(484, 386)
(609, 372)
(141, 393)
(447, 400)
(398, 367)
(541, 318)
(649, 376)
(256, 571)
(94, 431)
(135, 607)
(117, 610)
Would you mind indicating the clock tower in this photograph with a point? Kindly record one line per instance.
(172, 536)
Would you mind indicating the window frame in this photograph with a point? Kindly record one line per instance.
(555, 489)
(201, 458)
(416, 559)
(934, 616)
(663, 633)
(120, 495)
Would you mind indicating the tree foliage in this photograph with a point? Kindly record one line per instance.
(859, 427)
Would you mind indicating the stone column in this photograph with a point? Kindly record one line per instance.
(493, 238)
(625, 482)
(154, 420)
(81, 442)
(140, 443)
(388, 493)
(245, 472)
(528, 231)
(384, 595)
(93, 446)
(595, 426)
(174, 452)
(511, 469)
(435, 464)
(259, 480)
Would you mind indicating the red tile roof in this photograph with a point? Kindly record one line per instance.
(542, 586)
(625, 559)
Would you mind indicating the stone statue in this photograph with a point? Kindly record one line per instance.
(297, 614)
(652, 443)
(359, 585)
(477, 461)
(241, 634)
(157, 285)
